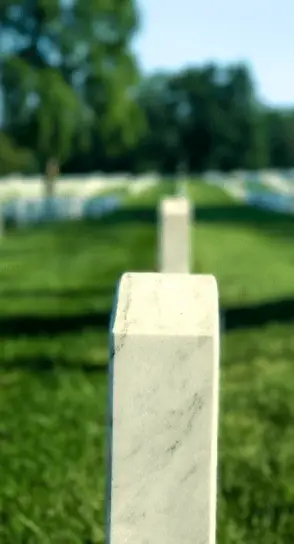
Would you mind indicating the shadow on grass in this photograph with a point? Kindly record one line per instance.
(246, 215)
(235, 214)
(257, 315)
(45, 364)
(60, 231)
(53, 325)
(73, 293)
(143, 214)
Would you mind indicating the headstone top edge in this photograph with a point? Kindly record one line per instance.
(175, 204)
(166, 304)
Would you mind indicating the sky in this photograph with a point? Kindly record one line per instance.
(177, 33)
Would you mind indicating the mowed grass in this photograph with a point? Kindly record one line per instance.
(251, 253)
(56, 290)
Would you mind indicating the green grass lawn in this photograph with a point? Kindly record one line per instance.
(56, 290)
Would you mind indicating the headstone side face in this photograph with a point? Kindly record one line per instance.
(163, 410)
(174, 235)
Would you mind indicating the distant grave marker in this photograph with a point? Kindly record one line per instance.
(174, 235)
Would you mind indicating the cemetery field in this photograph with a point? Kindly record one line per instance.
(56, 291)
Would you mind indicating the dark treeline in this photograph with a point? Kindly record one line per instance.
(71, 89)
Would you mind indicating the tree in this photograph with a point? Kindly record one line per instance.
(197, 115)
(245, 133)
(280, 133)
(68, 76)
(159, 149)
(14, 158)
(207, 118)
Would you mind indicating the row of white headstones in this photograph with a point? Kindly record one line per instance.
(164, 396)
(72, 200)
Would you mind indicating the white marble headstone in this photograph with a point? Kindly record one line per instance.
(75, 209)
(21, 211)
(163, 410)
(174, 235)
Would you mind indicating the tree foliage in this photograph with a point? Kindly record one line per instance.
(68, 74)
(71, 89)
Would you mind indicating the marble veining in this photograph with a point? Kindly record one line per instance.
(163, 419)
